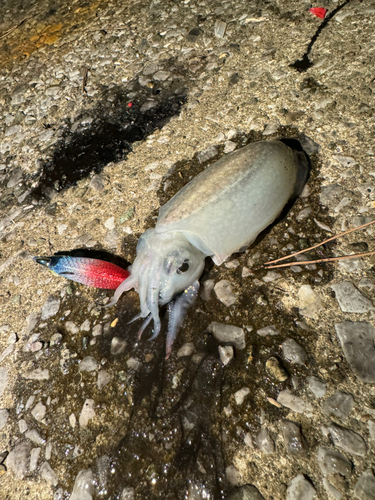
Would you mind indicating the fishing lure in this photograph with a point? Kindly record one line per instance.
(90, 272)
(219, 212)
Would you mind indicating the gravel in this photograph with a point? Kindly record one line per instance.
(228, 334)
(317, 386)
(350, 299)
(300, 489)
(347, 440)
(18, 459)
(265, 442)
(293, 352)
(293, 438)
(339, 404)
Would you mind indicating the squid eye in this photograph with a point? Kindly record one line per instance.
(185, 267)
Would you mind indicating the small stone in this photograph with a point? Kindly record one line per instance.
(34, 457)
(55, 339)
(331, 462)
(240, 395)
(316, 386)
(48, 474)
(339, 404)
(86, 326)
(350, 299)
(209, 153)
(207, 286)
(357, 341)
(18, 459)
(246, 492)
(371, 428)
(265, 442)
(4, 414)
(348, 440)
(39, 411)
(293, 438)
(161, 76)
(345, 161)
(186, 350)
(310, 303)
(226, 354)
(72, 420)
(149, 69)
(275, 370)
(219, 29)
(300, 489)
(233, 475)
(83, 486)
(50, 308)
(271, 276)
(87, 413)
(365, 487)
(88, 364)
(103, 465)
(37, 374)
(228, 334)
(22, 425)
(295, 403)
(111, 238)
(293, 352)
(34, 436)
(128, 494)
(118, 345)
(103, 379)
(71, 327)
(271, 127)
(97, 183)
(229, 146)
(268, 330)
(110, 223)
(97, 330)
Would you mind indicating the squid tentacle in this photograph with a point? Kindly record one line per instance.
(177, 312)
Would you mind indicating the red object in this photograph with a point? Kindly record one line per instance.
(319, 12)
(130, 104)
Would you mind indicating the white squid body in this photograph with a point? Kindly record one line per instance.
(221, 211)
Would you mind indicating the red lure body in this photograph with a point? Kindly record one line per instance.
(319, 12)
(91, 272)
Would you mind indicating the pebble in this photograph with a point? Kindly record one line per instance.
(309, 302)
(350, 299)
(48, 474)
(86, 326)
(232, 475)
(39, 411)
(268, 330)
(34, 457)
(18, 459)
(295, 403)
(293, 438)
(37, 374)
(293, 352)
(240, 395)
(275, 370)
(50, 308)
(246, 492)
(219, 29)
(186, 350)
(97, 330)
(118, 345)
(3, 379)
(71, 327)
(226, 354)
(339, 404)
(22, 425)
(111, 238)
(103, 379)
(271, 128)
(34, 436)
(331, 462)
(4, 414)
(265, 442)
(357, 341)
(365, 487)
(208, 286)
(271, 276)
(97, 183)
(347, 439)
(316, 386)
(332, 490)
(224, 293)
(128, 494)
(228, 334)
(207, 154)
(88, 364)
(87, 413)
(300, 489)
(229, 146)
(6, 352)
(83, 488)
(371, 428)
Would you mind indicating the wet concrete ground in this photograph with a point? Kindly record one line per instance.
(107, 110)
